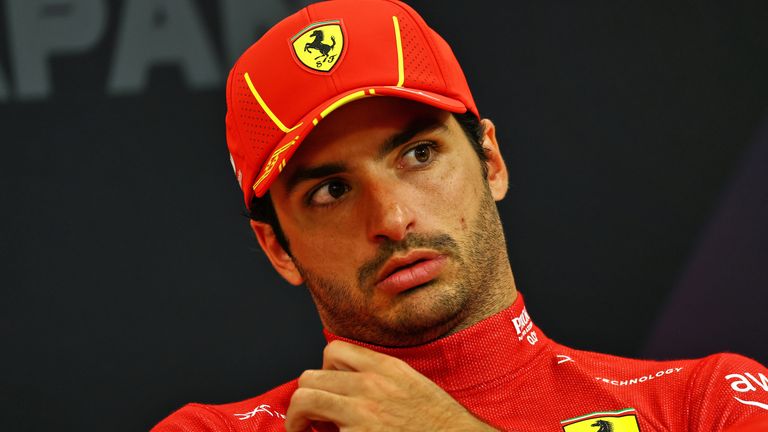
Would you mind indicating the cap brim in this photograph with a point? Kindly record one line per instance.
(290, 143)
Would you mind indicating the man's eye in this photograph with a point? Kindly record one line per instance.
(419, 155)
(328, 193)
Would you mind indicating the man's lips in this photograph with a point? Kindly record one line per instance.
(416, 268)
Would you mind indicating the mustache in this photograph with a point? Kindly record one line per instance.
(442, 243)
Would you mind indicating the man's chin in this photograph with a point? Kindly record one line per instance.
(421, 315)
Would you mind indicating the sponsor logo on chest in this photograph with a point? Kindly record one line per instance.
(610, 421)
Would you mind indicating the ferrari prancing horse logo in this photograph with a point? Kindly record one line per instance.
(614, 421)
(319, 46)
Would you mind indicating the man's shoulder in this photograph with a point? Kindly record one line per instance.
(716, 391)
(624, 371)
(713, 364)
(610, 363)
(734, 376)
(729, 389)
(265, 412)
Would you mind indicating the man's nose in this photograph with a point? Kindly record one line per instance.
(389, 216)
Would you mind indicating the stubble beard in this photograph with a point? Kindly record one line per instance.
(477, 292)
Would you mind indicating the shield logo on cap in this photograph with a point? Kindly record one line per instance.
(319, 45)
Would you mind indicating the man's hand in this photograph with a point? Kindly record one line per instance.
(362, 390)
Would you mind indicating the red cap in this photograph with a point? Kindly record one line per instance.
(320, 58)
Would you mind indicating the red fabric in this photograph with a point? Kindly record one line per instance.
(508, 373)
(756, 423)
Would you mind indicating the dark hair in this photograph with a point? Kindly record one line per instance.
(262, 209)
(474, 130)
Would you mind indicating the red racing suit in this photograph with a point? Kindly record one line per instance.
(509, 374)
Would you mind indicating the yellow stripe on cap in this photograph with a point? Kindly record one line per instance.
(345, 100)
(273, 159)
(266, 109)
(400, 70)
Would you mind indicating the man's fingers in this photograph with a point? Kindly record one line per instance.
(344, 356)
(308, 405)
(338, 382)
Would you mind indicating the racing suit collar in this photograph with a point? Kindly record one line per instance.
(494, 348)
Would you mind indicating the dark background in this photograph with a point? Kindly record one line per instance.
(637, 141)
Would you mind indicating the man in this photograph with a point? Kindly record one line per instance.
(372, 180)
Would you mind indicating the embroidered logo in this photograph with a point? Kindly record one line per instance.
(273, 161)
(642, 379)
(747, 382)
(263, 408)
(319, 45)
(611, 421)
(524, 326)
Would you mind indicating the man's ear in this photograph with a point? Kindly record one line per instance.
(280, 259)
(498, 177)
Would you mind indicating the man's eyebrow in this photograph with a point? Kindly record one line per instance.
(416, 127)
(303, 174)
